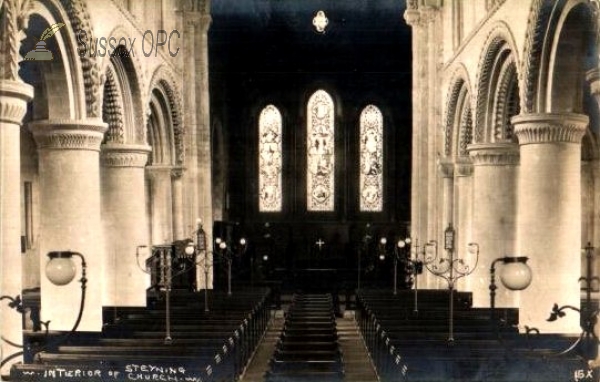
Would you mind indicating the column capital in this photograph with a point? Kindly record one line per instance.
(445, 167)
(177, 172)
(154, 171)
(416, 17)
(14, 96)
(494, 154)
(550, 128)
(115, 155)
(69, 134)
(593, 78)
(196, 19)
(463, 166)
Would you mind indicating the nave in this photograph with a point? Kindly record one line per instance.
(253, 335)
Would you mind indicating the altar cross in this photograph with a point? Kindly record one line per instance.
(320, 243)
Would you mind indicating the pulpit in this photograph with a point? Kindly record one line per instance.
(171, 261)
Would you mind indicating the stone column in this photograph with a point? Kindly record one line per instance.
(463, 208)
(424, 182)
(126, 223)
(593, 78)
(420, 164)
(161, 202)
(69, 168)
(494, 216)
(177, 187)
(549, 215)
(191, 21)
(446, 171)
(13, 106)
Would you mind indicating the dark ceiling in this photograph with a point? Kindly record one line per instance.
(268, 51)
(278, 36)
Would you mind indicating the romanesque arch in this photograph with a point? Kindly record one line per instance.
(497, 87)
(560, 47)
(458, 114)
(164, 95)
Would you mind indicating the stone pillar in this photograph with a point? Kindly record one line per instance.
(177, 187)
(424, 182)
(494, 216)
(420, 181)
(13, 106)
(126, 223)
(463, 208)
(161, 202)
(549, 215)
(593, 78)
(446, 170)
(191, 21)
(69, 168)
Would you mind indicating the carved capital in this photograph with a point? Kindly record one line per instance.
(593, 79)
(159, 172)
(14, 96)
(445, 167)
(494, 154)
(463, 167)
(115, 155)
(412, 17)
(68, 134)
(549, 128)
(177, 172)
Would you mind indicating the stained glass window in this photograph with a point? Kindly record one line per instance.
(320, 161)
(270, 160)
(371, 159)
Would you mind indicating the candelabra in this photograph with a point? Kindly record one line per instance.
(165, 277)
(398, 255)
(364, 247)
(452, 269)
(199, 250)
(193, 248)
(421, 258)
(515, 275)
(590, 325)
(228, 253)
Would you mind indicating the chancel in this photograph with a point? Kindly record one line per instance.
(267, 190)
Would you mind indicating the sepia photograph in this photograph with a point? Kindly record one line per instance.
(300, 190)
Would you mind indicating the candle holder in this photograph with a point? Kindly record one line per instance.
(452, 269)
(590, 325)
(421, 258)
(363, 251)
(229, 252)
(196, 250)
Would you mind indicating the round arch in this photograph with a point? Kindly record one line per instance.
(59, 81)
(559, 49)
(458, 100)
(164, 94)
(497, 87)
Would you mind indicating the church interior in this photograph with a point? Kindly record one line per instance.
(299, 190)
